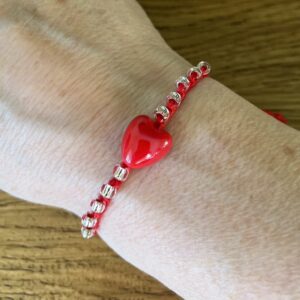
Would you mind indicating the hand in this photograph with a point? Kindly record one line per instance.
(73, 76)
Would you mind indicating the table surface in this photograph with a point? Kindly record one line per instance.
(254, 47)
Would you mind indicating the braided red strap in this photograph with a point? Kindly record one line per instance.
(277, 116)
(145, 142)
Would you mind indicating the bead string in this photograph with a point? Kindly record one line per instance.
(162, 115)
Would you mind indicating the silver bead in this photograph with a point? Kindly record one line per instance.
(163, 111)
(183, 80)
(206, 65)
(195, 70)
(174, 96)
(88, 222)
(87, 233)
(121, 173)
(98, 207)
(108, 191)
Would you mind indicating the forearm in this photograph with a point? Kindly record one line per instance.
(218, 217)
(213, 219)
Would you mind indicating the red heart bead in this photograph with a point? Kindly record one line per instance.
(144, 144)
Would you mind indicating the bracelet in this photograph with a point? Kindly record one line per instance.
(145, 142)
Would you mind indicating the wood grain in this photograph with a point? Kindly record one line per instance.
(254, 47)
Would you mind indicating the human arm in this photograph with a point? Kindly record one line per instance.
(65, 107)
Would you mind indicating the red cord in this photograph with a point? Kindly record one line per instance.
(277, 116)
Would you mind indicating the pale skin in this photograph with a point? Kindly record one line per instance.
(218, 218)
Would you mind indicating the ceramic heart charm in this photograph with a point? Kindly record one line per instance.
(143, 143)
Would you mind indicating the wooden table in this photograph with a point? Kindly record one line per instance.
(254, 47)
